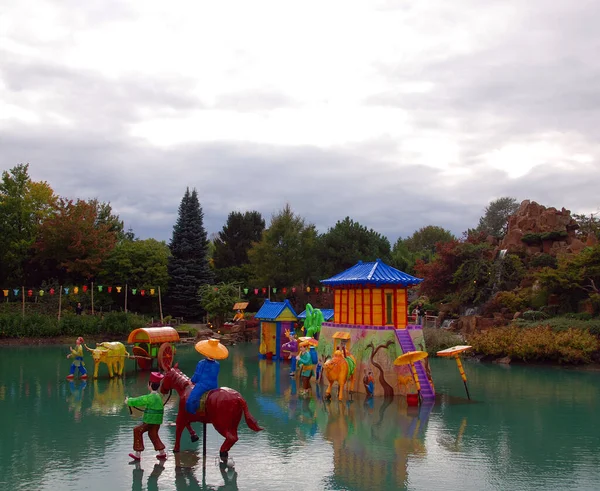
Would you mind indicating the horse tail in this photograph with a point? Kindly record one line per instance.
(250, 421)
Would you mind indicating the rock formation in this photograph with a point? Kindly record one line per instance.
(536, 229)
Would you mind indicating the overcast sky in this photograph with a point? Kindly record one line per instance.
(399, 114)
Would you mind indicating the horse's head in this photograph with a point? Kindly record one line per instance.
(167, 382)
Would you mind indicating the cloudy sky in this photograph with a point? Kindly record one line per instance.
(399, 114)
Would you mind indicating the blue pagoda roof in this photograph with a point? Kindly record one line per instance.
(372, 273)
(272, 310)
(327, 314)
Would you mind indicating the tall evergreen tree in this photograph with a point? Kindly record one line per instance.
(188, 265)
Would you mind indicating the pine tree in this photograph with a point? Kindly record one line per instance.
(188, 265)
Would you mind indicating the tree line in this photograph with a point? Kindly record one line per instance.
(52, 240)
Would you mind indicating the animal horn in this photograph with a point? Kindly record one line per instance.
(87, 348)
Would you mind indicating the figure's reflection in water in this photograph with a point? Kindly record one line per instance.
(75, 398)
(188, 465)
(138, 474)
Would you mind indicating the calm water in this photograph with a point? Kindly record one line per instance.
(527, 428)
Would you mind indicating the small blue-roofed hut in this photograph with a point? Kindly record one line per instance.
(275, 318)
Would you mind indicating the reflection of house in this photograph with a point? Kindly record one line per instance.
(361, 452)
(275, 318)
(371, 308)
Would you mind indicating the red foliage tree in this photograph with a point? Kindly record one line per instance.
(74, 242)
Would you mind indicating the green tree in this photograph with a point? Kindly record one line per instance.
(218, 300)
(588, 225)
(188, 265)
(232, 244)
(24, 205)
(494, 222)
(285, 254)
(402, 258)
(73, 243)
(576, 278)
(141, 264)
(344, 244)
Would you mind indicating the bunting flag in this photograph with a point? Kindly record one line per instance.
(84, 288)
(246, 291)
(119, 289)
(109, 289)
(66, 291)
(16, 291)
(51, 291)
(30, 293)
(134, 290)
(100, 288)
(5, 293)
(41, 293)
(142, 292)
(76, 290)
(151, 291)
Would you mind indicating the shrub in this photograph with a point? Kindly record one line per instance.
(535, 315)
(544, 260)
(532, 239)
(540, 343)
(438, 339)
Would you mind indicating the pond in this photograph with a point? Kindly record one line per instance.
(533, 428)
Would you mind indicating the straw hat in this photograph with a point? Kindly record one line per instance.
(211, 348)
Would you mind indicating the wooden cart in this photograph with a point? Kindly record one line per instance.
(154, 343)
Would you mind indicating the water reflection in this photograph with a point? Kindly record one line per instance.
(108, 396)
(75, 398)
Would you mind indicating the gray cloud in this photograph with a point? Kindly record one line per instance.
(538, 76)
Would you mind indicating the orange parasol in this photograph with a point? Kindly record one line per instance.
(409, 358)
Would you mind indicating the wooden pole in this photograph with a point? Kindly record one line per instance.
(160, 306)
(125, 297)
(92, 298)
(59, 301)
(23, 302)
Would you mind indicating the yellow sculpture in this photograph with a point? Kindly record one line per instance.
(341, 370)
(111, 353)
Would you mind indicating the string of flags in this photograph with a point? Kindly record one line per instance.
(75, 290)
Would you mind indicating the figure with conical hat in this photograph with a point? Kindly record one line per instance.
(206, 376)
(153, 418)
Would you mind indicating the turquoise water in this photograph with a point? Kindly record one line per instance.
(527, 428)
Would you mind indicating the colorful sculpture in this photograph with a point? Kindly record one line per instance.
(339, 369)
(111, 353)
(153, 418)
(223, 408)
(206, 376)
(369, 383)
(307, 366)
(77, 355)
(313, 321)
(291, 347)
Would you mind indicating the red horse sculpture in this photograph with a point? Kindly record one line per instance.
(223, 409)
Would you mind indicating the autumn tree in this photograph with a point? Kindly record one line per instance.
(24, 205)
(285, 254)
(73, 243)
(188, 265)
(420, 245)
(347, 242)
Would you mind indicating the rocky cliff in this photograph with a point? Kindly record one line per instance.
(535, 229)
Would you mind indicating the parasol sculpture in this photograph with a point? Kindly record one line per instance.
(410, 358)
(455, 351)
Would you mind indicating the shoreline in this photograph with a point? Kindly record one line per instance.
(28, 341)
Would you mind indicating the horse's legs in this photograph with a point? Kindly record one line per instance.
(193, 434)
(226, 423)
(179, 426)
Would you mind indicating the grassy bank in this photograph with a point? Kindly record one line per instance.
(39, 326)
